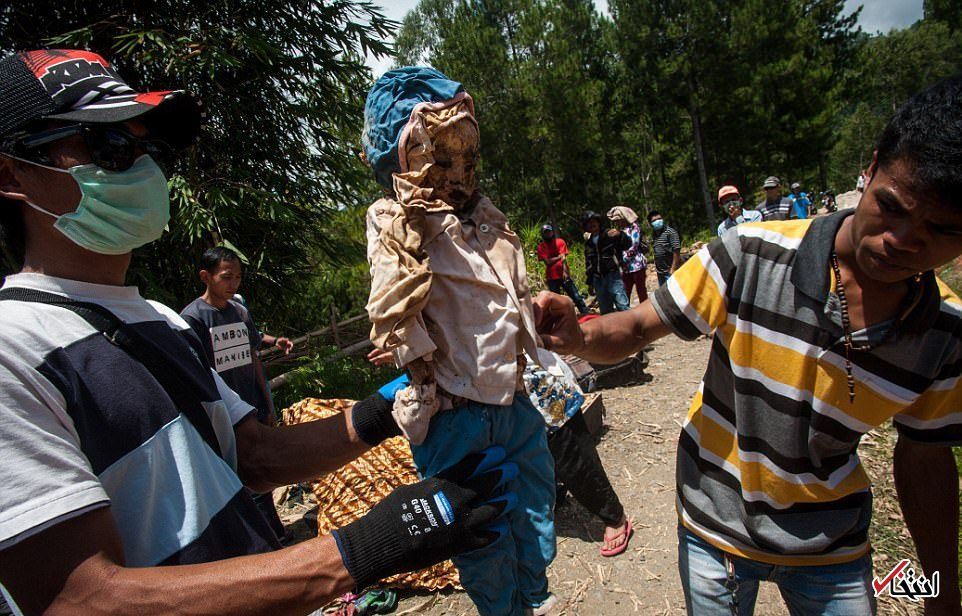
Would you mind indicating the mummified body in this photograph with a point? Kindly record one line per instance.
(450, 300)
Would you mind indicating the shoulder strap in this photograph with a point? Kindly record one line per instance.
(119, 334)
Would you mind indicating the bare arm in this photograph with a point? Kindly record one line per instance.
(605, 340)
(281, 342)
(271, 457)
(76, 567)
(675, 261)
(611, 338)
(927, 482)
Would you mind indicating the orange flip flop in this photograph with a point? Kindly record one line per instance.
(627, 531)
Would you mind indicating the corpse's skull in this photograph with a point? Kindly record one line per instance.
(455, 154)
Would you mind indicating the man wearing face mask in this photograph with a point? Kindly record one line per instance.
(731, 202)
(125, 454)
(666, 244)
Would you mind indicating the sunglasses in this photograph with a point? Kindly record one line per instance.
(111, 147)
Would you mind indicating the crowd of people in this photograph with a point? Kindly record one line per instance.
(615, 258)
(135, 438)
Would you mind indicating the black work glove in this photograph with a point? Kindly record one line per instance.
(372, 416)
(425, 523)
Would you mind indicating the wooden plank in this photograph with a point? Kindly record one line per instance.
(593, 410)
(301, 340)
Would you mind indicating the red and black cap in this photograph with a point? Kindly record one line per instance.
(80, 86)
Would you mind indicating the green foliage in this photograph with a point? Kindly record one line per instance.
(580, 111)
(540, 76)
(949, 12)
(325, 376)
(756, 75)
(283, 88)
(887, 70)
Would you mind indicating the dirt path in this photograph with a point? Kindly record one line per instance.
(638, 450)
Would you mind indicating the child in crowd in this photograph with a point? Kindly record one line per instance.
(554, 391)
(450, 301)
(231, 340)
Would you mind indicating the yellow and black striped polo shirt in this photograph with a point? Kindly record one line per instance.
(767, 466)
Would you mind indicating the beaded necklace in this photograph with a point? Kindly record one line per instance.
(847, 325)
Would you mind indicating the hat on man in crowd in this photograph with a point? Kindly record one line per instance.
(589, 215)
(80, 86)
(547, 228)
(726, 190)
(771, 182)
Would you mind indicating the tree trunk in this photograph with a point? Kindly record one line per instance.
(822, 172)
(700, 154)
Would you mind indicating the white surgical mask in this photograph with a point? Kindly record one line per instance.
(118, 210)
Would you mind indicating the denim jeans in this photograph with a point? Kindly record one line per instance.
(510, 575)
(610, 292)
(569, 287)
(663, 278)
(844, 589)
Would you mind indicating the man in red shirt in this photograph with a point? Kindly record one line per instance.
(552, 250)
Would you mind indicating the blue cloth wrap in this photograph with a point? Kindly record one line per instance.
(388, 108)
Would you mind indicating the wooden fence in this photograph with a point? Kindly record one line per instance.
(349, 337)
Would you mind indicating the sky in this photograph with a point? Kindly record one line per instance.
(877, 16)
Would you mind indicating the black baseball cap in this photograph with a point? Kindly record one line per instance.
(81, 86)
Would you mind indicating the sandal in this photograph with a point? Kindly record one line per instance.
(626, 531)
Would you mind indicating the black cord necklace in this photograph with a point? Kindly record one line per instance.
(849, 343)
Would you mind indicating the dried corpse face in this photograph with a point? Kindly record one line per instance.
(455, 158)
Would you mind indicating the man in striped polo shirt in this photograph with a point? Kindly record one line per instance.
(774, 206)
(824, 329)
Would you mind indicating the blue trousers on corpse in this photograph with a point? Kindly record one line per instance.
(509, 575)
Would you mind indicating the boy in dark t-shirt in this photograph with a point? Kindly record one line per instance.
(231, 341)
(228, 332)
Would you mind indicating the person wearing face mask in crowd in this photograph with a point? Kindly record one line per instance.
(666, 246)
(125, 454)
(731, 202)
